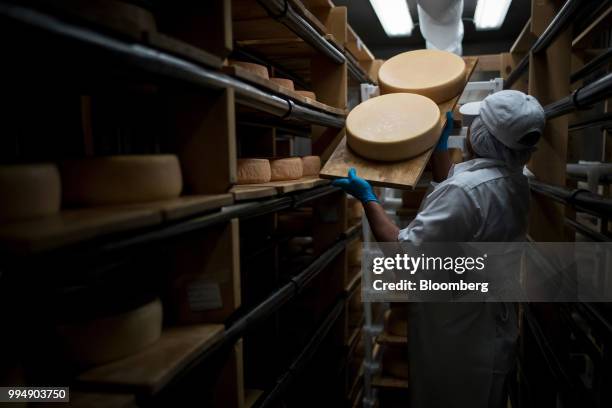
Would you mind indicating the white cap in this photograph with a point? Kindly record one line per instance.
(469, 111)
(510, 115)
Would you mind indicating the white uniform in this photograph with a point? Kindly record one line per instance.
(460, 353)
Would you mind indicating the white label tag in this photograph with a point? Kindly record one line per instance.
(204, 296)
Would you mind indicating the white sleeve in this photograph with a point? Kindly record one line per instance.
(448, 214)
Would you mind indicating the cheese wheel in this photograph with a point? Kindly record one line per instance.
(393, 127)
(311, 165)
(395, 361)
(308, 94)
(105, 339)
(438, 75)
(259, 70)
(286, 169)
(115, 180)
(252, 171)
(396, 321)
(28, 191)
(285, 83)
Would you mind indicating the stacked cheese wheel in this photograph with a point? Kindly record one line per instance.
(115, 180)
(405, 121)
(104, 339)
(254, 171)
(256, 69)
(29, 191)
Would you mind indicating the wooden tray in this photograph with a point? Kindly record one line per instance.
(403, 174)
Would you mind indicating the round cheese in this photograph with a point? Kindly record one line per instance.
(393, 127)
(308, 94)
(28, 191)
(285, 83)
(396, 321)
(438, 75)
(105, 339)
(311, 165)
(259, 70)
(252, 171)
(286, 169)
(115, 180)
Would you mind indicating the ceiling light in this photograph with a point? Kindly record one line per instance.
(394, 16)
(490, 14)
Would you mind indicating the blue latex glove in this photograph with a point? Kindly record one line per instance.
(356, 186)
(442, 145)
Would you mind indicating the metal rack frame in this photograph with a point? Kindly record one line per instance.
(167, 66)
(556, 26)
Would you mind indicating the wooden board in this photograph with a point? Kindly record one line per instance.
(389, 382)
(289, 186)
(403, 174)
(602, 22)
(186, 206)
(248, 192)
(184, 50)
(72, 226)
(150, 370)
(391, 339)
(76, 225)
(247, 76)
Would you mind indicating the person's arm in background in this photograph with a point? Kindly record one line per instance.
(383, 229)
(440, 158)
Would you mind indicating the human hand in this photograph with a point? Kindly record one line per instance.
(356, 186)
(443, 142)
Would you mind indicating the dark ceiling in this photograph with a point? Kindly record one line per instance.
(362, 18)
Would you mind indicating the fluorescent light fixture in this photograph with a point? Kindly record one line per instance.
(394, 16)
(490, 14)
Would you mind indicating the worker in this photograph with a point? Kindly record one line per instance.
(460, 354)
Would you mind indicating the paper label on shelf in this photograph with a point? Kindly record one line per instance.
(204, 296)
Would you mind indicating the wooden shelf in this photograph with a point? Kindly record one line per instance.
(77, 225)
(389, 382)
(150, 370)
(601, 22)
(391, 339)
(268, 85)
(281, 187)
(403, 174)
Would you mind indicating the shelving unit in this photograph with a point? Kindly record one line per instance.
(266, 299)
(562, 346)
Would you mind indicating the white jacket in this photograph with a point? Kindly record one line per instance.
(460, 353)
